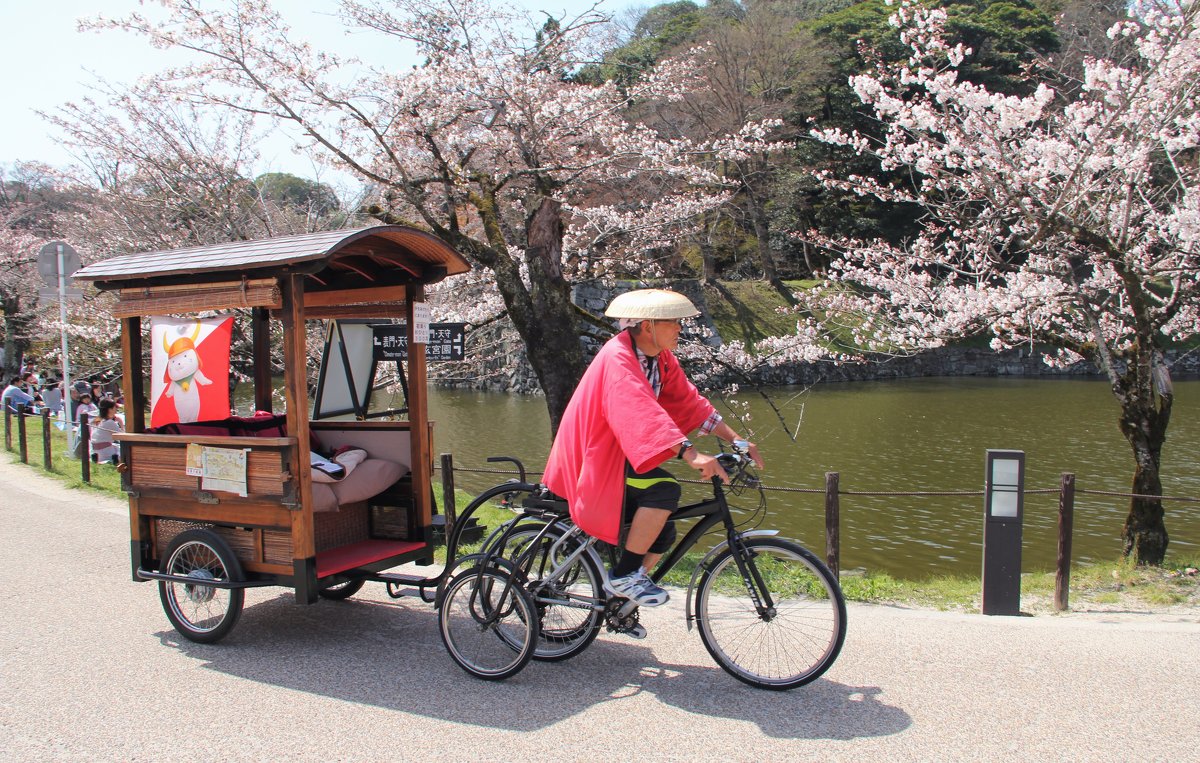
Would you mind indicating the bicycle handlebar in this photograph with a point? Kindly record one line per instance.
(517, 462)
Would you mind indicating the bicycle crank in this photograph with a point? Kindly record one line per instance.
(620, 615)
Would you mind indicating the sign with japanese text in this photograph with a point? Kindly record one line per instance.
(422, 313)
(445, 342)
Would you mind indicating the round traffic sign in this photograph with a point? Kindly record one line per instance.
(48, 261)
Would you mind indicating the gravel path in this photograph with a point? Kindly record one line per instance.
(91, 670)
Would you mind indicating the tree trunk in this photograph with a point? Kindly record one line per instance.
(1145, 413)
(548, 323)
(14, 344)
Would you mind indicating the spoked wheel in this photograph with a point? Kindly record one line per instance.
(488, 623)
(568, 604)
(201, 613)
(340, 591)
(793, 643)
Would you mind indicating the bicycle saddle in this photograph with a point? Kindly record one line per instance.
(543, 500)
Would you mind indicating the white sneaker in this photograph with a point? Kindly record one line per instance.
(637, 587)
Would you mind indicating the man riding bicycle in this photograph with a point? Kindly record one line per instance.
(631, 413)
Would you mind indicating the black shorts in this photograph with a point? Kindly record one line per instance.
(654, 489)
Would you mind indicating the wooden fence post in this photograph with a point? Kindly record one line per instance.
(7, 428)
(832, 524)
(1066, 520)
(85, 447)
(46, 438)
(22, 444)
(449, 508)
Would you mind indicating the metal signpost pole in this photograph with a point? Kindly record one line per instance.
(62, 329)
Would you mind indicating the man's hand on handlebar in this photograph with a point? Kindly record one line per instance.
(750, 449)
(707, 465)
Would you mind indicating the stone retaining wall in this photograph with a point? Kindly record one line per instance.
(507, 370)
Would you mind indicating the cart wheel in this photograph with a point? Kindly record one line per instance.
(201, 613)
(340, 591)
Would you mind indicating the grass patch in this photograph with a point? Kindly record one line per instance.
(1120, 585)
(748, 311)
(67, 470)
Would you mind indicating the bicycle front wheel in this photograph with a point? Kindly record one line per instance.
(488, 623)
(791, 644)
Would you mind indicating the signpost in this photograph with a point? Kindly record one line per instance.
(57, 261)
(1003, 514)
(443, 341)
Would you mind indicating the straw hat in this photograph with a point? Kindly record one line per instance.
(651, 304)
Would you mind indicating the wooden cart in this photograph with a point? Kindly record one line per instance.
(206, 546)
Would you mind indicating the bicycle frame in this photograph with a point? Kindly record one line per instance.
(711, 512)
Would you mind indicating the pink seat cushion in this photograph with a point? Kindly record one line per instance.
(323, 498)
(370, 478)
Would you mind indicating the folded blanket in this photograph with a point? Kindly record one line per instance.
(337, 468)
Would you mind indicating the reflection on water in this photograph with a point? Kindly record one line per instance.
(912, 435)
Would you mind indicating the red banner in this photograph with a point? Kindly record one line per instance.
(189, 369)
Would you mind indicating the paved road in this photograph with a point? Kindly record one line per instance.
(91, 670)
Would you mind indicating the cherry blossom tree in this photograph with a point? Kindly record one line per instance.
(1067, 221)
(489, 144)
(18, 288)
(156, 174)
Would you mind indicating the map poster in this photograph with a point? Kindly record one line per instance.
(225, 469)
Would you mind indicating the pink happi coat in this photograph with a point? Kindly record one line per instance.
(613, 417)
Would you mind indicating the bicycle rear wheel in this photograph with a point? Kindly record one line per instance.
(792, 644)
(569, 603)
(488, 623)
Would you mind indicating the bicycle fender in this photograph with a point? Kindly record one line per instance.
(703, 565)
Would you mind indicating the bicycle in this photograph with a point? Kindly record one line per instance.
(769, 612)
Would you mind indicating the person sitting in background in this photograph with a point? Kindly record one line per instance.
(103, 428)
(79, 388)
(14, 395)
(52, 395)
(86, 406)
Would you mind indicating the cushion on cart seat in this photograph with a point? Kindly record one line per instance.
(369, 479)
(323, 498)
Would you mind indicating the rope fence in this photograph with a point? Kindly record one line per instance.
(832, 490)
(1066, 492)
(886, 493)
(78, 437)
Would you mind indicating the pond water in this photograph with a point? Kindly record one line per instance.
(902, 436)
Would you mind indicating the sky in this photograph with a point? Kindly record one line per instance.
(48, 63)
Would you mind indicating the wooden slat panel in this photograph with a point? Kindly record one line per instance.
(188, 288)
(194, 298)
(245, 545)
(357, 311)
(277, 548)
(164, 466)
(374, 294)
(242, 514)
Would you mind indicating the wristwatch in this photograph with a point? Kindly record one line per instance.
(683, 448)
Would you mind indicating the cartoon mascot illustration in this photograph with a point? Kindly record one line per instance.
(184, 376)
(190, 370)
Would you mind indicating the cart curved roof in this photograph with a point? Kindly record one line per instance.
(372, 264)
